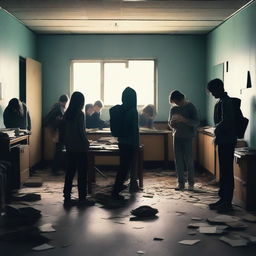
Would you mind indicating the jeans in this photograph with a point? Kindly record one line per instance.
(77, 162)
(184, 160)
(128, 165)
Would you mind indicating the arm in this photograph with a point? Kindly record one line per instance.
(193, 120)
(81, 130)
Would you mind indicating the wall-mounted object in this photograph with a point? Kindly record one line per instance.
(227, 66)
(249, 81)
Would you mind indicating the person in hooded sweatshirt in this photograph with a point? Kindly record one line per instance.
(128, 144)
(16, 115)
(225, 138)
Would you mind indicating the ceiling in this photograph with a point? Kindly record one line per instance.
(122, 16)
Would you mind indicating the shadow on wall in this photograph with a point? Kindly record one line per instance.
(252, 122)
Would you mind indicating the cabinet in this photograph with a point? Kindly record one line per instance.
(245, 177)
(16, 151)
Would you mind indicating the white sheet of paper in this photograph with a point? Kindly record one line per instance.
(42, 247)
(189, 242)
(47, 228)
(208, 230)
(234, 242)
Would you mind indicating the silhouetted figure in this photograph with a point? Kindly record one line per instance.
(183, 120)
(52, 122)
(146, 117)
(16, 115)
(225, 139)
(128, 144)
(77, 145)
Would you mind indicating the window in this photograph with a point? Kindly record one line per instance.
(106, 80)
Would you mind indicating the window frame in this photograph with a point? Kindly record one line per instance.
(102, 62)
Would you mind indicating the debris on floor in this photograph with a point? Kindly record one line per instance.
(189, 242)
(43, 247)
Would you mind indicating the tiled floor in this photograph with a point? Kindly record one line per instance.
(108, 231)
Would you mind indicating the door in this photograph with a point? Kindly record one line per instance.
(34, 103)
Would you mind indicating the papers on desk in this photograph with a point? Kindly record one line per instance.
(9, 132)
(209, 130)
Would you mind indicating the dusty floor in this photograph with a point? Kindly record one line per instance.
(106, 229)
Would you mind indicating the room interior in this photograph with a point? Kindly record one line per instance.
(192, 42)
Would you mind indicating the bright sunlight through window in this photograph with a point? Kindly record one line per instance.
(105, 80)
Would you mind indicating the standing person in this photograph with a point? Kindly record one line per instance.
(16, 115)
(77, 145)
(52, 122)
(94, 121)
(128, 144)
(183, 120)
(146, 117)
(225, 139)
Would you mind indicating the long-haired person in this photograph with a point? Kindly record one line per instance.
(74, 138)
(16, 115)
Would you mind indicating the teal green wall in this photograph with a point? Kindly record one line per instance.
(180, 60)
(15, 40)
(235, 41)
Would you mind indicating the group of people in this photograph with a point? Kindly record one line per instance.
(69, 129)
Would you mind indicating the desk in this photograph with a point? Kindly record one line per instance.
(157, 143)
(16, 151)
(110, 152)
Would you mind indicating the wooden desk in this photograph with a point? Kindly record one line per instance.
(157, 144)
(110, 152)
(245, 177)
(16, 151)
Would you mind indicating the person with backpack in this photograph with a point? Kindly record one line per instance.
(53, 121)
(225, 138)
(73, 136)
(124, 126)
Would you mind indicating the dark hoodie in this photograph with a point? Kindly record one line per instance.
(129, 99)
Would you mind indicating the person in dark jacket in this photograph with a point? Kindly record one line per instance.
(128, 144)
(52, 122)
(74, 138)
(93, 120)
(16, 115)
(225, 139)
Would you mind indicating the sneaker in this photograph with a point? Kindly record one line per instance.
(180, 187)
(116, 196)
(224, 208)
(190, 187)
(70, 202)
(215, 205)
(86, 202)
(134, 187)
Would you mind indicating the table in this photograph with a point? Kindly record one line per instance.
(157, 143)
(110, 151)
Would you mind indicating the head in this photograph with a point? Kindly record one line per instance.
(76, 104)
(177, 97)
(63, 99)
(129, 98)
(88, 109)
(149, 110)
(97, 106)
(15, 105)
(216, 88)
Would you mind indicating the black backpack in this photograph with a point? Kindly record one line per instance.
(117, 120)
(241, 121)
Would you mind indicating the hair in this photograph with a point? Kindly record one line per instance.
(215, 84)
(98, 103)
(87, 106)
(149, 109)
(15, 105)
(63, 98)
(76, 104)
(176, 95)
